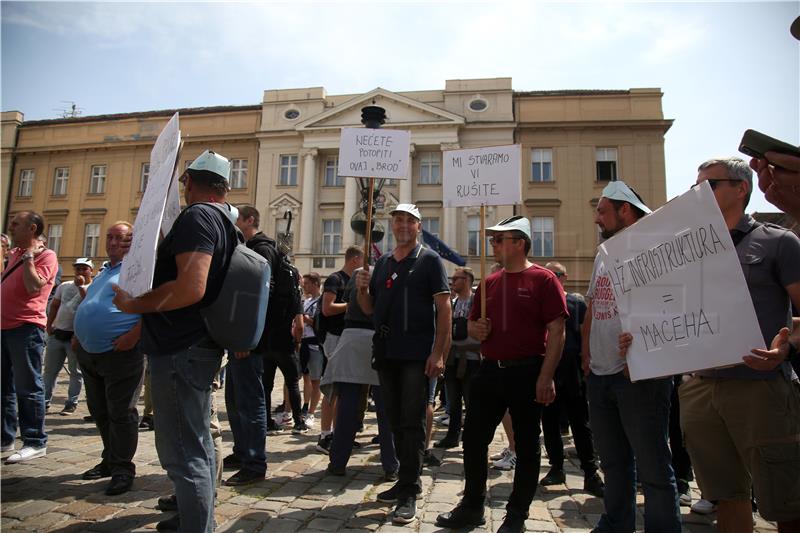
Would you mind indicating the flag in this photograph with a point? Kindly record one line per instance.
(442, 249)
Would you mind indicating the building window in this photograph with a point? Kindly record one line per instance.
(91, 240)
(478, 105)
(288, 170)
(97, 183)
(606, 164)
(430, 168)
(332, 178)
(541, 165)
(54, 234)
(238, 173)
(144, 175)
(61, 181)
(291, 114)
(25, 183)
(331, 236)
(473, 235)
(431, 225)
(543, 229)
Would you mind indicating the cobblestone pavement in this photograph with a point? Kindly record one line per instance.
(47, 494)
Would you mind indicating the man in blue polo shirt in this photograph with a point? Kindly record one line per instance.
(112, 366)
(409, 300)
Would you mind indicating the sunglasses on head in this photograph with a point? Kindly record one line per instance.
(713, 183)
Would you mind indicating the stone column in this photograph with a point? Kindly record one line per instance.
(351, 197)
(405, 185)
(309, 201)
(450, 214)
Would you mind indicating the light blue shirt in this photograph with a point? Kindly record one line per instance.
(98, 321)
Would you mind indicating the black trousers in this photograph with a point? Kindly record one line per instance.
(495, 390)
(289, 364)
(405, 394)
(571, 396)
(457, 389)
(113, 381)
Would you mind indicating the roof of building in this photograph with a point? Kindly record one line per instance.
(144, 114)
(573, 92)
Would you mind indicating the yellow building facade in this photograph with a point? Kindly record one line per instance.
(85, 173)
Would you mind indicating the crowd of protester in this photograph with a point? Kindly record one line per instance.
(390, 336)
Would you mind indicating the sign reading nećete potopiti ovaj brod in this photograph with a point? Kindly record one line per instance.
(374, 153)
(679, 289)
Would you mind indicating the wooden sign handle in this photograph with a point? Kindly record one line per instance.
(368, 231)
(482, 245)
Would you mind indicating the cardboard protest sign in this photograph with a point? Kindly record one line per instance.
(136, 275)
(374, 153)
(482, 176)
(680, 290)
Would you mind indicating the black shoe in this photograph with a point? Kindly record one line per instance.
(461, 517)
(390, 495)
(431, 460)
(594, 485)
(356, 445)
(68, 410)
(167, 503)
(119, 484)
(447, 442)
(555, 476)
(375, 440)
(324, 443)
(97, 472)
(170, 524)
(300, 428)
(405, 512)
(279, 408)
(335, 470)
(231, 462)
(273, 428)
(88, 418)
(146, 423)
(512, 523)
(245, 477)
(391, 476)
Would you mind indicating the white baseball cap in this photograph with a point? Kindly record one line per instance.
(212, 162)
(411, 209)
(515, 223)
(618, 190)
(83, 261)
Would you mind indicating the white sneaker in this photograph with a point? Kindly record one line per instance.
(26, 454)
(7, 447)
(285, 418)
(506, 463)
(442, 420)
(310, 421)
(498, 456)
(703, 506)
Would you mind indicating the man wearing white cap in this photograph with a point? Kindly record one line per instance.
(630, 421)
(522, 337)
(191, 263)
(409, 300)
(60, 330)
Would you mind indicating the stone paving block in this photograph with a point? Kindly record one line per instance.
(77, 507)
(338, 511)
(43, 522)
(282, 525)
(301, 515)
(270, 505)
(239, 525)
(325, 524)
(363, 523)
(72, 527)
(101, 512)
(32, 508)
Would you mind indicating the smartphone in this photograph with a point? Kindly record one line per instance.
(756, 144)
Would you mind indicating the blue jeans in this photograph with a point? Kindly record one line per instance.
(22, 384)
(630, 424)
(181, 388)
(247, 411)
(54, 356)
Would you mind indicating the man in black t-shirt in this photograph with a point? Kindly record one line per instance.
(333, 309)
(190, 267)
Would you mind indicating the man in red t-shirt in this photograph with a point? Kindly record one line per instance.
(522, 337)
(27, 282)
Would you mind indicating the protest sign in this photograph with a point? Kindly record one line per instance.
(679, 289)
(374, 153)
(136, 276)
(482, 176)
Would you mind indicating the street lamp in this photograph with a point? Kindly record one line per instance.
(372, 117)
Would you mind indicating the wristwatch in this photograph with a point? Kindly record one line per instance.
(27, 256)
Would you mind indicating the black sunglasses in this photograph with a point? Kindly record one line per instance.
(713, 183)
(498, 239)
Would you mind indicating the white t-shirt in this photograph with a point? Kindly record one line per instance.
(70, 298)
(606, 324)
(309, 308)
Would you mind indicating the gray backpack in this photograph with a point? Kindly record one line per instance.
(235, 320)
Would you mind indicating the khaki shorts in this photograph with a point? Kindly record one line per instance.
(743, 433)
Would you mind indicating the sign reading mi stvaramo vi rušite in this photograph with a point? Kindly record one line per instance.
(374, 153)
(482, 176)
(679, 289)
(136, 276)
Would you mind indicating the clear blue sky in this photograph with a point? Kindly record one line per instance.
(723, 67)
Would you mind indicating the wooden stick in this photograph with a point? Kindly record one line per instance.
(483, 261)
(368, 232)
